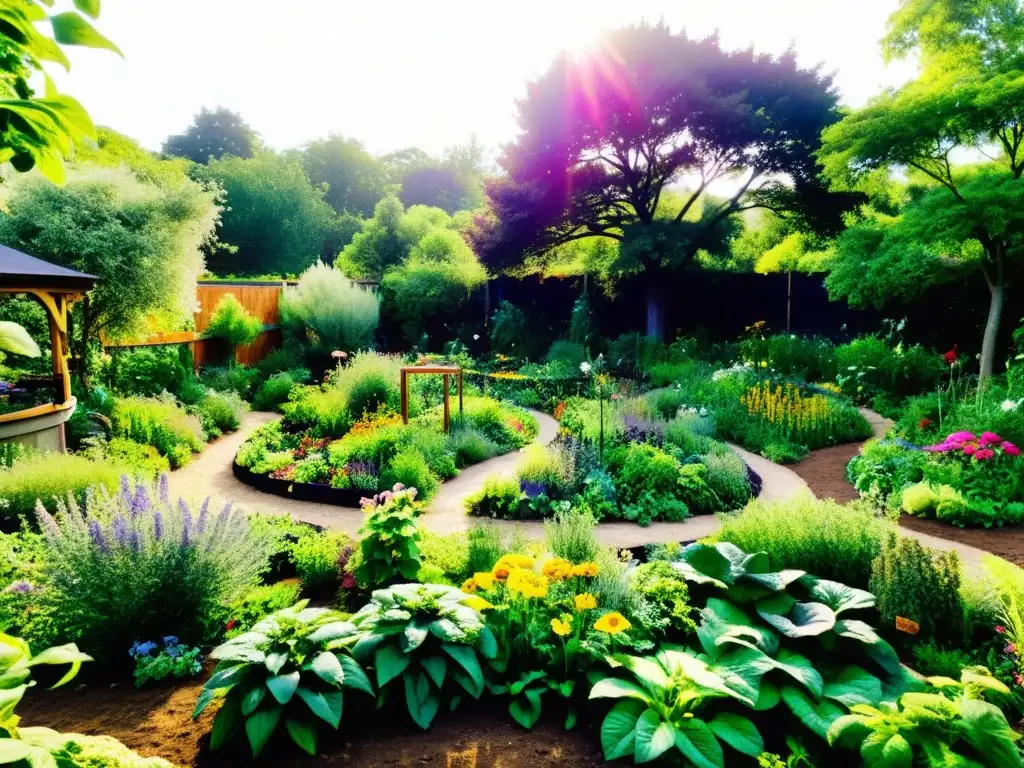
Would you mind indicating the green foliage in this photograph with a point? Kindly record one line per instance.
(275, 219)
(232, 323)
(354, 179)
(449, 553)
(485, 546)
(74, 750)
(950, 724)
(145, 371)
(822, 537)
(884, 468)
(316, 561)
(329, 311)
(213, 134)
(427, 637)
(499, 498)
(471, 446)
(916, 583)
(259, 602)
(142, 240)
(509, 328)
(931, 660)
(160, 422)
(154, 663)
(410, 469)
(274, 392)
(570, 535)
(142, 461)
(290, 667)
(229, 378)
(726, 477)
(49, 476)
(507, 425)
(871, 365)
(390, 540)
(663, 586)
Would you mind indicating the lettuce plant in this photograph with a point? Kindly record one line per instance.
(291, 666)
(428, 636)
(949, 725)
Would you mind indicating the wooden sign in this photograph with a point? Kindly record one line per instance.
(907, 625)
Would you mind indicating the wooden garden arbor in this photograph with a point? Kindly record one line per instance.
(445, 370)
(55, 288)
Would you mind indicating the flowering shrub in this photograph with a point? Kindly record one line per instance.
(153, 663)
(811, 420)
(135, 564)
(389, 546)
(965, 444)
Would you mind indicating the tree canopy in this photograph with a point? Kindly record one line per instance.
(602, 135)
(214, 133)
(354, 179)
(275, 221)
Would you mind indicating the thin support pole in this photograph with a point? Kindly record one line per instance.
(460, 393)
(447, 409)
(600, 450)
(405, 398)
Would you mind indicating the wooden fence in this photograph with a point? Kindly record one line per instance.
(262, 300)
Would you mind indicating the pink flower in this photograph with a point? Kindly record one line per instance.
(983, 454)
(961, 437)
(990, 438)
(1010, 449)
(1018, 679)
(970, 449)
(1000, 629)
(1010, 648)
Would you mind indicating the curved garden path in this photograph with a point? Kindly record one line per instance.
(210, 474)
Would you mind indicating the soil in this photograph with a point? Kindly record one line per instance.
(824, 471)
(157, 722)
(1006, 542)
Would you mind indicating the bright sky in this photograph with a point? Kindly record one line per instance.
(426, 73)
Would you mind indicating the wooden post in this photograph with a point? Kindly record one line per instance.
(405, 398)
(460, 392)
(447, 409)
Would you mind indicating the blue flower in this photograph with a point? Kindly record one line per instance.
(142, 649)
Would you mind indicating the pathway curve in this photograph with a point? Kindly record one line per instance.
(210, 474)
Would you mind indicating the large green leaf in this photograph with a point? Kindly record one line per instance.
(526, 709)
(800, 668)
(283, 687)
(741, 670)
(420, 699)
(852, 686)
(465, 657)
(71, 29)
(303, 734)
(802, 620)
(13, 750)
(326, 706)
(88, 7)
(436, 668)
(698, 744)
(227, 677)
(227, 721)
(14, 338)
(275, 661)
(768, 697)
(704, 564)
(618, 731)
(389, 663)
(708, 677)
(332, 632)
(654, 737)
(355, 677)
(883, 749)
(738, 732)
(260, 727)
(724, 622)
(648, 671)
(877, 649)
(818, 716)
(848, 732)
(414, 635)
(487, 643)
(253, 698)
(614, 688)
(777, 581)
(839, 597)
(328, 668)
(985, 728)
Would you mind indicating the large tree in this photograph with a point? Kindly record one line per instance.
(602, 135)
(275, 221)
(967, 102)
(354, 179)
(214, 133)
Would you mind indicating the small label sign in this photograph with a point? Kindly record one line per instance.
(908, 626)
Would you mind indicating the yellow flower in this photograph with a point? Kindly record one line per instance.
(510, 562)
(477, 603)
(560, 627)
(483, 579)
(585, 602)
(469, 586)
(612, 623)
(527, 583)
(557, 569)
(585, 569)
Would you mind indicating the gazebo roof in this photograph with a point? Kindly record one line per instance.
(19, 270)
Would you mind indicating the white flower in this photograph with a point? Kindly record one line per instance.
(585, 368)
(1010, 405)
(476, 337)
(852, 368)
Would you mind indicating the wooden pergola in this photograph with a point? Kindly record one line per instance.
(55, 288)
(445, 370)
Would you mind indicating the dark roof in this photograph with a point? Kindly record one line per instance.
(20, 270)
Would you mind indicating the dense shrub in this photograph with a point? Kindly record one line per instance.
(727, 477)
(408, 467)
(146, 371)
(665, 588)
(870, 366)
(50, 476)
(316, 560)
(500, 498)
(830, 540)
(913, 582)
(234, 378)
(220, 412)
(322, 410)
(886, 467)
(142, 461)
(509, 332)
(274, 392)
(160, 422)
(259, 602)
(232, 323)
(134, 564)
(471, 446)
(449, 553)
(508, 426)
(329, 311)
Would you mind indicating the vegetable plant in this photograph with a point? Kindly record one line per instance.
(291, 667)
(390, 540)
(425, 638)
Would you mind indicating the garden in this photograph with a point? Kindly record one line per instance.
(321, 457)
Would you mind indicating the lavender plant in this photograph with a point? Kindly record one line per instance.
(134, 565)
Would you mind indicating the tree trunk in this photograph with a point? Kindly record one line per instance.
(655, 313)
(997, 289)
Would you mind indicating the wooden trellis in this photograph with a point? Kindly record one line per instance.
(445, 370)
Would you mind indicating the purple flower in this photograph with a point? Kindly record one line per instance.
(203, 512)
(135, 540)
(532, 490)
(163, 492)
(140, 502)
(158, 525)
(186, 522)
(21, 587)
(46, 522)
(96, 534)
(119, 530)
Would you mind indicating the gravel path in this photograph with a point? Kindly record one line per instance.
(210, 474)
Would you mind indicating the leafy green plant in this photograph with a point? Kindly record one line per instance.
(389, 547)
(329, 311)
(291, 666)
(409, 468)
(429, 637)
(258, 603)
(49, 476)
(233, 324)
(665, 588)
(949, 725)
(500, 498)
(160, 422)
(274, 392)
(220, 412)
(570, 535)
(153, 662)
(316, 560)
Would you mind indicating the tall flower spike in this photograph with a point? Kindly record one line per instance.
(46, 522)
(163, 489)
(203, 513)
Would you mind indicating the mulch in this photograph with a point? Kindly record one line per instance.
(824, 471)
(156, 722)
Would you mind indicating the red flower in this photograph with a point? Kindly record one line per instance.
(232, 623)
(348, 582)
(924, 423)
(1000, 629)
(951, 356)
